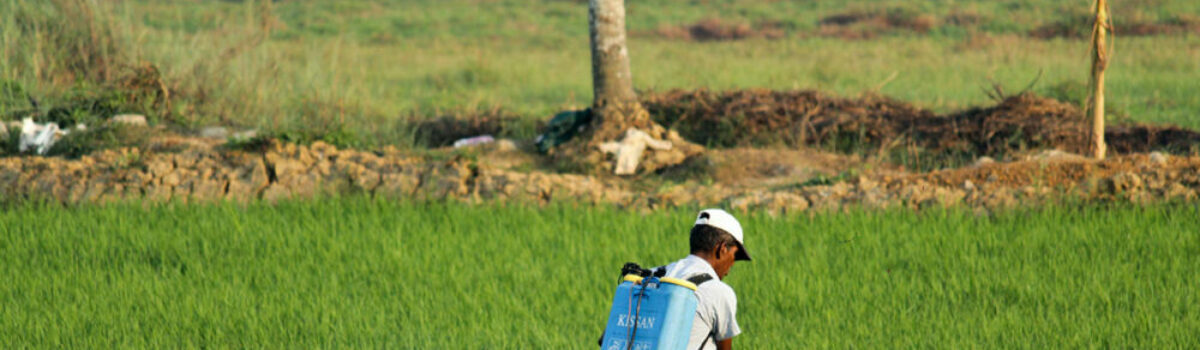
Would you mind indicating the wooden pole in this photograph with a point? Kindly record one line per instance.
(1100, 55)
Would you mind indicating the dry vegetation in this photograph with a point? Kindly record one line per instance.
(874, 123)
(861, 25)
(1076, 26)
(716, 29)
(900, 21)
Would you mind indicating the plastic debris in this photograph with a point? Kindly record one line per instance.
(244, 135)
(474, 141)
(129, 120)
(214, 132)
(629, 150)
(562, 128)
(39, 137)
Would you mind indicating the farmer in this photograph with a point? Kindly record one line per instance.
(716, 243)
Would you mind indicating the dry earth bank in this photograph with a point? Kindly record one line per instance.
(781, 181)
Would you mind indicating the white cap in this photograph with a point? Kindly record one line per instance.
(720, 219)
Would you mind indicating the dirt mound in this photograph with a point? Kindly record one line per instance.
(1018, 123)
(857, 25)
(879, 124)
(1028, 121)
(715, 29)
(793, 118)
(1144, 138)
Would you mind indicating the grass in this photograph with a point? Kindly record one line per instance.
(363, 68)
(356, 272)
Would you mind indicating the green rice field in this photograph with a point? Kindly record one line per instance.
(365, 273)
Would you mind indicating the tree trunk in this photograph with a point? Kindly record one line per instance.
(616, 113)
(1100, 31)
(614, 103)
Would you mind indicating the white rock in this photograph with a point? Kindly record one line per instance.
(1159, 158)
(629, 150)
(244, 135)
(984, 161)
(128, 120)
(214, 132)
(505, 145)
(1056, 155)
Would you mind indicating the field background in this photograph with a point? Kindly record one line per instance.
(364, 67)
(355, 272)
(359, 272)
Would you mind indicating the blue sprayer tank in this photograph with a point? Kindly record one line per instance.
(662, 320)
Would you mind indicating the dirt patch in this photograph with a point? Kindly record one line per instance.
(1137, 177)
(748, 167)
(858, 25)
(964, 18)
(880, 125)
(716, 29)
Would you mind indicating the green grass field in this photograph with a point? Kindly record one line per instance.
(367, 65)
(355, 272)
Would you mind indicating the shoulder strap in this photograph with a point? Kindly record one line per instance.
(699, 279)
(660, 271)
(710, 335)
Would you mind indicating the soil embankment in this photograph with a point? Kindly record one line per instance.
(829, 153)
(200, 171)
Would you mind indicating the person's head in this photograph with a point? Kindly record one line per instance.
(717, 238)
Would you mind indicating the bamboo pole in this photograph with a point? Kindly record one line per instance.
(1100, 55)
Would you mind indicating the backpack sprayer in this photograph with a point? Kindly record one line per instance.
(651, 312)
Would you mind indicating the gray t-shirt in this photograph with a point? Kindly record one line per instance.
(716, 312)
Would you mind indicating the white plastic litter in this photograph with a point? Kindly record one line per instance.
(39, 137)
(214, 132)
(474, 141)
(128, 119)
(245, 135)
(629, 150)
